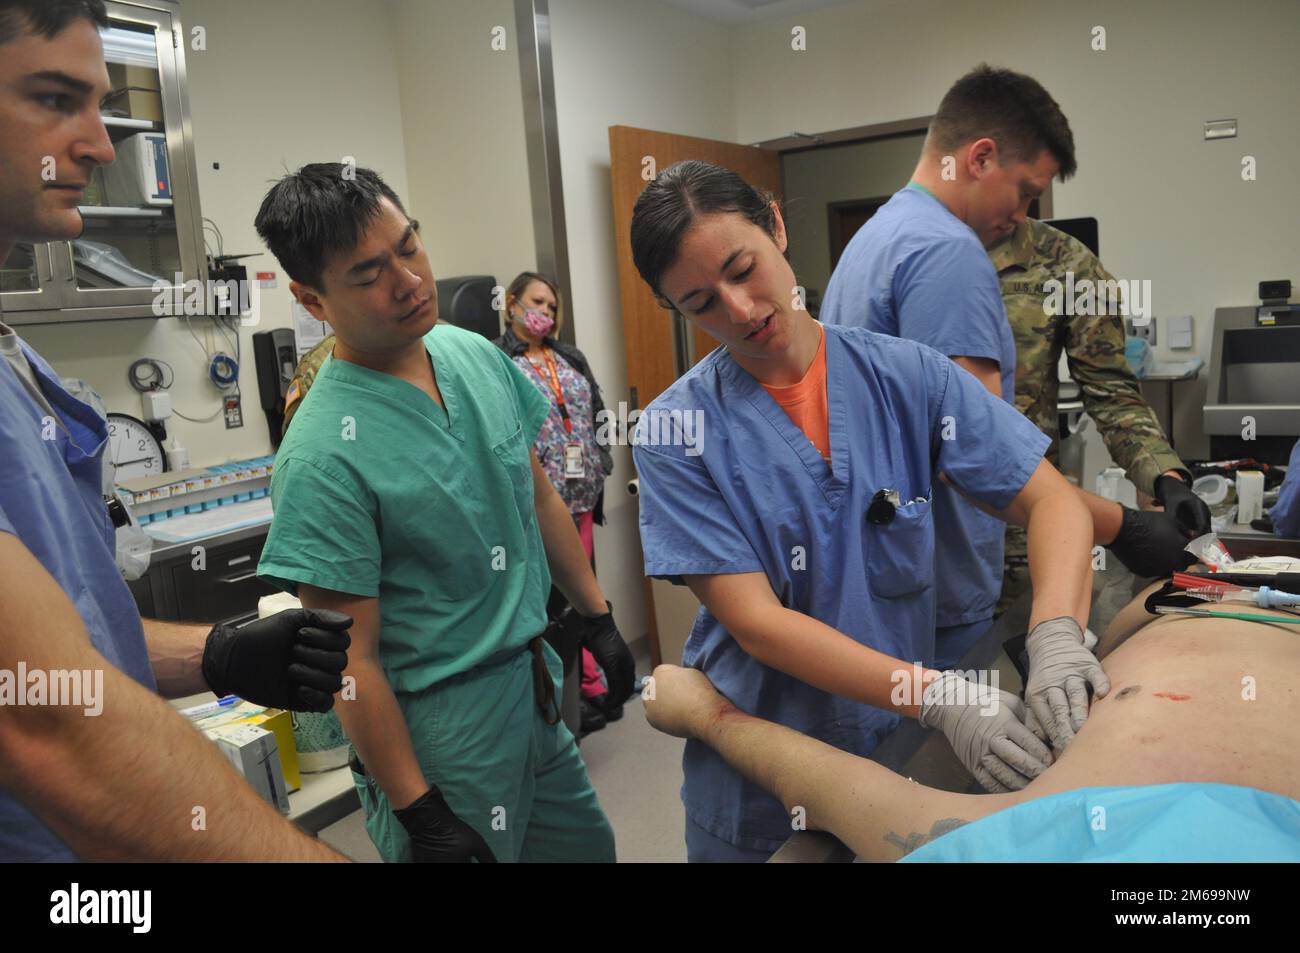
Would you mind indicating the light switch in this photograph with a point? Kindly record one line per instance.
(1180, 332)
(1221, 129)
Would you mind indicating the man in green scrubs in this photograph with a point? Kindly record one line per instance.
(406, 494)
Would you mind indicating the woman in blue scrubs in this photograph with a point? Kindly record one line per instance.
(803, 523)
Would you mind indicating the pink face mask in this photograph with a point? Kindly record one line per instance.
(537, 323)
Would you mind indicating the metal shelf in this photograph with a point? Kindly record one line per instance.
(114, 211)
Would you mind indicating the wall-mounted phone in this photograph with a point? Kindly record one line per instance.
(277, 360)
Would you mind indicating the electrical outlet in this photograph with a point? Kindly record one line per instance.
(1142, 329)
(234, 413)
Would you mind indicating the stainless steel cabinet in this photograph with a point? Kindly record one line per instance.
(143, 222)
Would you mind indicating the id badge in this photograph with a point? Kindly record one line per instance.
(573, 463)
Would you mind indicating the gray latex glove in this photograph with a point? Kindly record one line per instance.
(1031, 722)
(985, 728)
(1060, 670)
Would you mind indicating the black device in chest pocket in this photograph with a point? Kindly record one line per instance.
(883, 508)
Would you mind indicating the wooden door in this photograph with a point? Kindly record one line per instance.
(845, 218)
(647, 328)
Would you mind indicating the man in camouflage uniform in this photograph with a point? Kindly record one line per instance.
(1094, 347)
(303, 378)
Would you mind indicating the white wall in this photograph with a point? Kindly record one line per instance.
(279, 85)
(466, 155)
(1172, 208)
(632, 63)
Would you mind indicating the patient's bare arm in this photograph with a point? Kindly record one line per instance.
(878, 814)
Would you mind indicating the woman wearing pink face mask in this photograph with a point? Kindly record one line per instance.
(566, 447)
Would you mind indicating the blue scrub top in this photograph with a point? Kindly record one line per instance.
(917, 271)
(752, 494)
(51, 499)
(1286, 511)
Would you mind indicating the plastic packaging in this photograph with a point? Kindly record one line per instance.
(1138, 353)
(1209, 551)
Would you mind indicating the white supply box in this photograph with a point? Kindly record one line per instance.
(1250, 495)
(254, 753)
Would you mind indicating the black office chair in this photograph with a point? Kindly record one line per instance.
(466, 302)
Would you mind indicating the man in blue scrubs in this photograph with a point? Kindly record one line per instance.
(1285, 513)
(66, 616)
(918, 269)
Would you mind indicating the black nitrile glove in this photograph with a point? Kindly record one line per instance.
(293, 659)
(1188, 509)
(1150, 544)
(438, 836)
(600, 636)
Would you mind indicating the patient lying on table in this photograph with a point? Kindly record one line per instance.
(1192, 756)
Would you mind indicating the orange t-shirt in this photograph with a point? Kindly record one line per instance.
(805, 402)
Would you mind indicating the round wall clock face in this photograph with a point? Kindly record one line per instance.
(132, 448)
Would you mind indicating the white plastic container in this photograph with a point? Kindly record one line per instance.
(1112, 484)
(178, 458)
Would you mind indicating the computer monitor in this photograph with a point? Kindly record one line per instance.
(1084, 229)
(466, 302)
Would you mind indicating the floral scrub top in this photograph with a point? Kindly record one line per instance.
(579, 495)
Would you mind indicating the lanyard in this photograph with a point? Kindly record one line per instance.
(554, 384)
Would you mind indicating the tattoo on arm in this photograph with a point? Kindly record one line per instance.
(912, 841)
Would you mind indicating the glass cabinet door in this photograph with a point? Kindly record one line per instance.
(130, 212)
(142, 230)
(25, 278)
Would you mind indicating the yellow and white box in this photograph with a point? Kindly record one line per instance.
(275, 720)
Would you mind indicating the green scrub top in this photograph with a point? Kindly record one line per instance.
(378, 491)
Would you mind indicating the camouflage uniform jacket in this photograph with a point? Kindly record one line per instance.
(1094, 348)
(303, 377)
